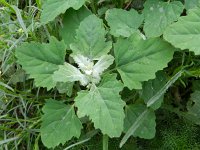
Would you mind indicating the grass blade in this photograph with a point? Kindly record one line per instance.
(6, 86)
(86, 138)
(134, 127)
(164, 89)
(20, 20)
(8, 140)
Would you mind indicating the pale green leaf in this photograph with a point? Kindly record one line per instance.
(122, 22)
(92, 70)
(53, 8)
(103, 63)
(159, 15)
(103, 105)
(84, 63)
(193, 107)
(139, 122)
(151, 87)
(59, 124)
(90, 39)
(41, 60)
(71, 22)
(190, 4)
(185, 33)
(69, 73)
(138, 60)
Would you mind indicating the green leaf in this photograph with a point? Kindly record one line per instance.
(193, 107)
(88, 73)
(90, 39)
(69, 73)
(151, 87)
(66, 87)
(41, 60)
(59, 123)
(84, 63)
(18, 76)
(91, 69)
(139, 121)
(159, 15)
(71, 22)
(196, 85)
(190, 4)
(52, 8)
(138, 60)
(103, 63)
(185, 33)
(103, 105)
(122, 22)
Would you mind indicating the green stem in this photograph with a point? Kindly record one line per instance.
(39, 5)
(3, 2)
(121, 3)
(93, 6)
(105, 142)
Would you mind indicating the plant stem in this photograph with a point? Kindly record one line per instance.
(121, 3)
(93, 6)
(105, 142)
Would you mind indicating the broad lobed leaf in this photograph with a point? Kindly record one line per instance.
(41, 60)
(139, 122)
(147, 126)
(53, 8)
(151, 87)
(193, 107)
(90, 39)
(59, 123)
(158, 15)
(185, 33)
(122, 22)
(138, 60)
(159, 93)
(71, 22)
(103, 105)
(190, 4)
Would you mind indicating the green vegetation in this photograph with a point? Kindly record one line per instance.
(99, 74)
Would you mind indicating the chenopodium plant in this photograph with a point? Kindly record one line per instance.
(104, 68)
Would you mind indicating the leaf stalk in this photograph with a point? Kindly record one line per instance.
(105, 142)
